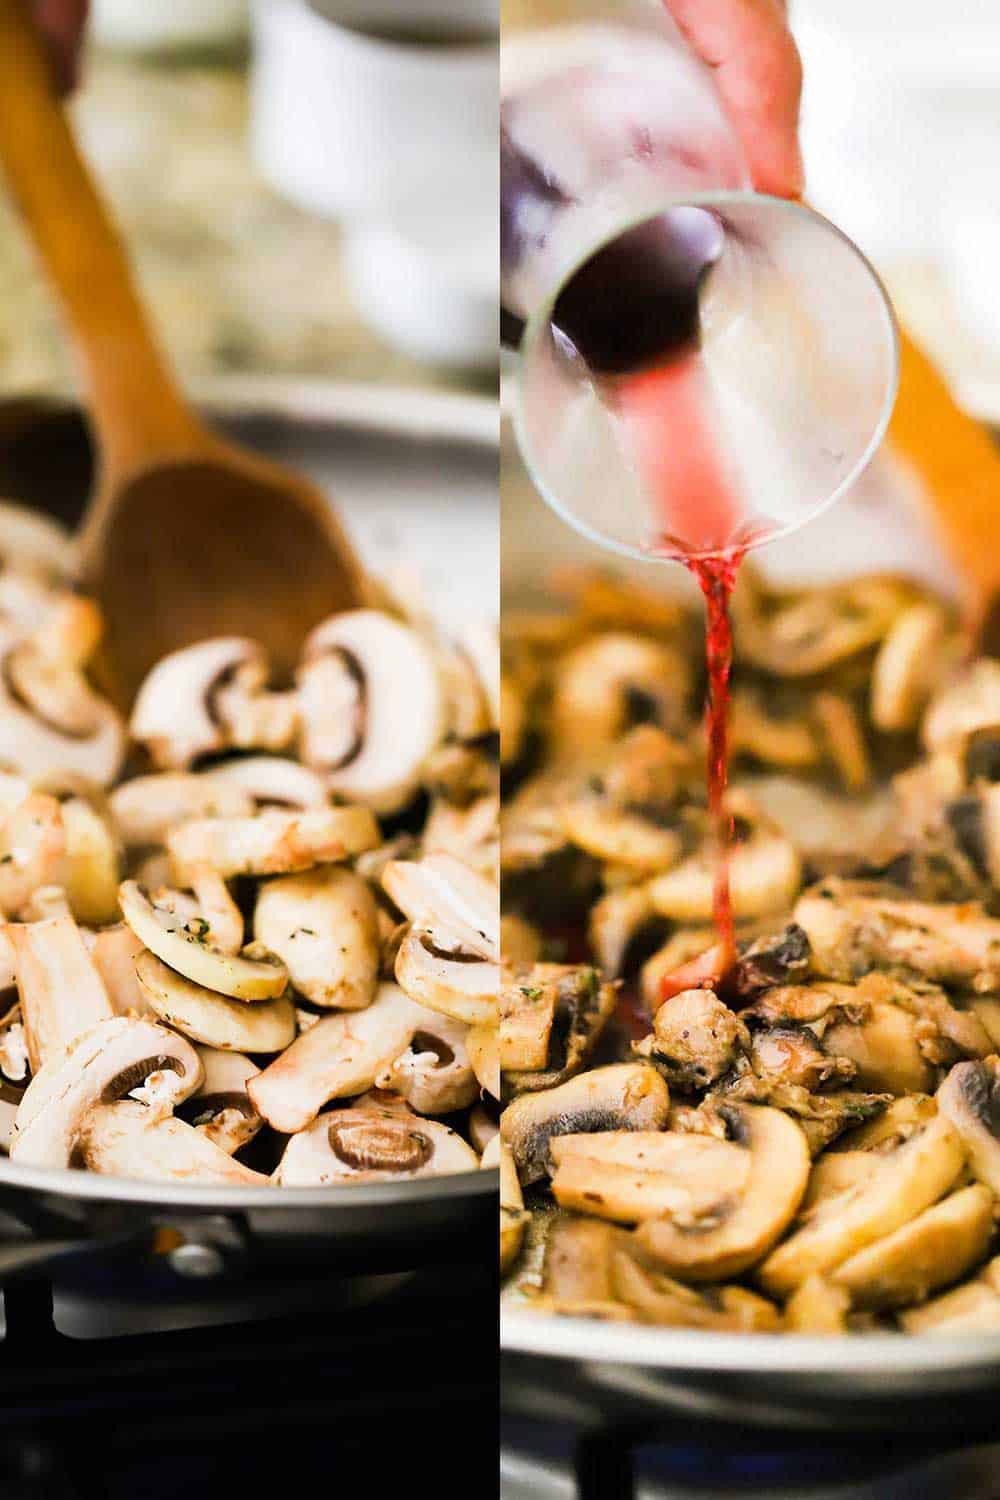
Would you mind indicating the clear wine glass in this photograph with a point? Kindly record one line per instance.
(702, 368)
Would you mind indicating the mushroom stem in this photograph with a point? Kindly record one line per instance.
(62, 994)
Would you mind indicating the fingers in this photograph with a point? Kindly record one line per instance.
(758, 73)
(62, 23)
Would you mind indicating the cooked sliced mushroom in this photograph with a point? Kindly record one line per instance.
(33, 844)
(618, 917)
(551, 1019)
(146, 808)
(124, 1139)
(60, 989)
(34, 542)
(843, 739)
(341, 1056)
(577, 1268)
(695, 1039)
(267, 781)
(772, 738)
(483, 1127)
(220, 1108)
(911, 661)
(102, 1066)
(970, 1098)
(779, 960)
(937, 1247)
(114, 951)
(803, 634)
(51, 721)
(764, 874)
(520, 943)
(448, 960)
(973, 1308)
(969, 703)
(324, 927)
(272, 843)
(470, 834)
(733, 1233)
(482, 1043)
(433, 1073)
(92, 863)
(212, 1018)
(883, 1045)
(623, 1096)
(175, 715)
(893, 1126)
(629, 812)
(661, 1300)
(513, 1217)
(632, 1176)
(691, 957)
(253, 717)
(818, 1307)
(910, 1178)
(182, 943)
(221, 918)
(373, 707)
(372, 1143)
(612, 682)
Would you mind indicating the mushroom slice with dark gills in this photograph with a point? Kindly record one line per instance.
(211, 1018)
(337, 1058)
(551, 1018)
(733, 1233)
(433, 1073)
(910, 1177)
(622, 1096)
(108, 1063)
(855, 926)
(181, 941)
(939, 1246)
(628, 811)
(765, 872)
(970, 1098)
(61, 992)
(176, 712)
(323, 925)
(372, 1142)
(124, 1139)
(373, 707)
(449, 959)
(220, 1108)
(612, 682)
(769, 961)
(695, 1040)
(513, 1217)
(273, 842)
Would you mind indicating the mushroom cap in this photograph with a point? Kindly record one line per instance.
(452, 980)
(173, 714)
(102, 1066)
(221, 1107)
(181, 944)
(433, 1073)
(387, 684)
(212, 1018)
(372, 1143)
(323, 925)
(272, 843)
(124, 1139)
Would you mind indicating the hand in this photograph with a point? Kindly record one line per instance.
(758, 73)
(62, 24)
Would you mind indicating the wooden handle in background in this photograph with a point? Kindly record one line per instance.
(136, 406)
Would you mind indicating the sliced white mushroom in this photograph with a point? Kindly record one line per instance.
(373, 707)
(433, 1073)
(269, 781)
(146, 808)
(601, 682)
(52, 722)
(221, 1107)
(175, 715)
(482, 1127)
(61, 992)
(765, 874)
(182, 943)
(449, 958)
(512, 1214)
(218, 909)
(103, 1066)
(909, 665)
(114, 951)
(482, 1043)
(339, 1057)
(125, 1139)
(212, 1018)
(971, 701)
(272, 843)
(970, 1098)
(32, 850)
(372, 1143)
(324, 927)
(970, 1309)
(92, 863)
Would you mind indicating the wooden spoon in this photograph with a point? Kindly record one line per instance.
(186, 536)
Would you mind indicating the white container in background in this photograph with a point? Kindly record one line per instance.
(165, 25)
(344, 121)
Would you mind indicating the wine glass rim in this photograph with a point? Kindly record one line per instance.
(540, 319)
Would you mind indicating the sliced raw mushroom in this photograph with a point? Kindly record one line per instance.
(513, 1217)
(482, 1044)
(448, 960)
(622, 1096)
(939, 1246)
(433, 1072)
(221, 918)
(51, 721)
(32, 850)
(106, 1064)
(146, 808)
(212, 1018)
(911, 661)
(324, 927)
(114, 951)
(272, 843)
(970, 1099)
(339, 1057)
(267, 781)
(92, 863)
(551, 1019)
(910, 1178)
(220, 1108)
(124, 1139)
(373, 707)
(175, 715)
(632, 1176)
(818, 1307)
(613, 682)
(764, 874)
(695, 1039)
(732, 1233)
(61, 992)
(181, 942)
(372, 1143)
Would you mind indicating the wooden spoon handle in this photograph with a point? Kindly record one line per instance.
(137, 409)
